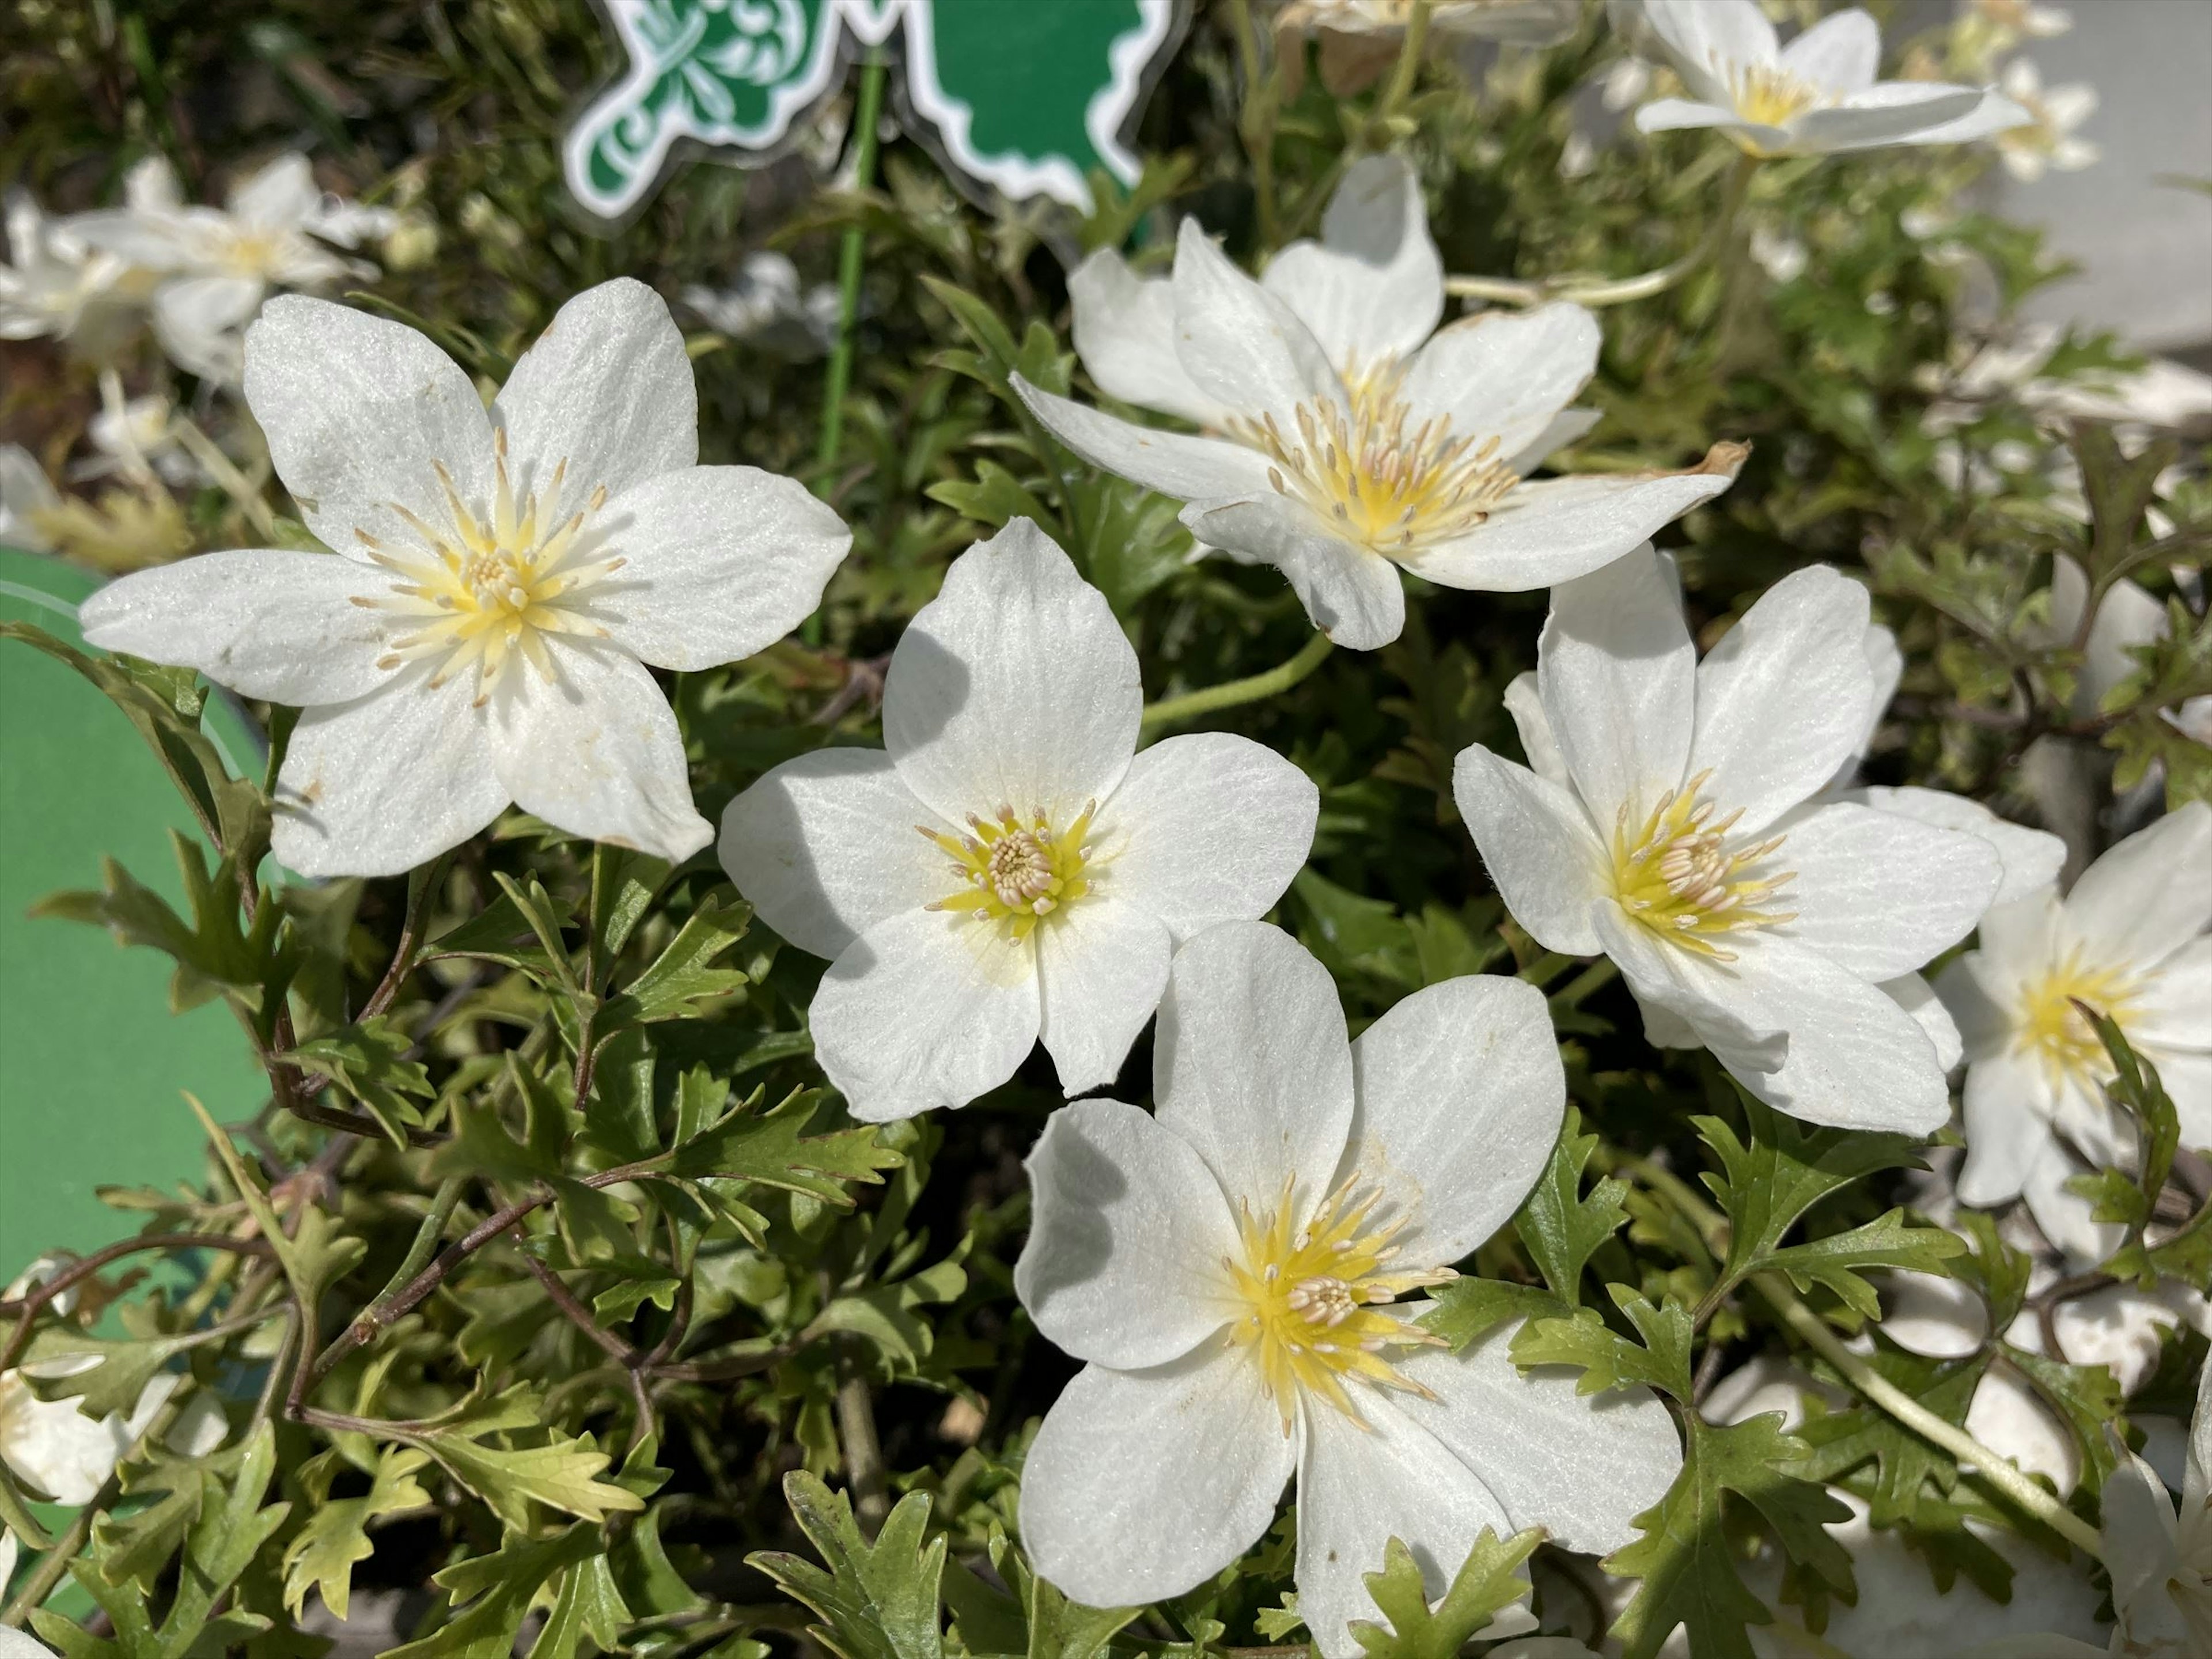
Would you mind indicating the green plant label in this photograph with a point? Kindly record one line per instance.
(1023, 97)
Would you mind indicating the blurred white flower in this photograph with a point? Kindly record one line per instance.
(218, 263)
(2127, 617)
(2047, 138)
(1008, 868)
(767, 308)
(2023, 17)
(1230, 1266)
(1576, 156)
(1676, 821)
(137, 435)
(55, 285)
(2131, 941)
(1782, 257)
(26, 493)
(56, 1448)
(1349, 437)
(1360, 40)
(1816, 95)
(502, 582)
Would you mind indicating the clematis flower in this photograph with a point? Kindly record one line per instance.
(1348, 437)
(769, 308)
(502, 579)
(1673, 821)
(2130, 940)
(55, 286)
(2046, 139)
(1231, 1268)
(1816, 95)
(50, 1444)
(1008, 868)
(218, 263)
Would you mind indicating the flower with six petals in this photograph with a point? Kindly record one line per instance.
(1009, 867)
(1230, 1266)
(502, 579)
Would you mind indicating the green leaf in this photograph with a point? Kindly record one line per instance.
(877, 1601)
(499, 1588)
(588, 1604)
(1838, 1259)
(747, 1147)
(367, 1061)
(681, 976)
(1687, 1559)
(1559, 1226)
(1489, 1581)
(1464, 1309)
(1608, 1359)
(561, 1473)
(1907, 1469)
(215, 956)
(502, 932)
(321, 1557)
(2088, 1399)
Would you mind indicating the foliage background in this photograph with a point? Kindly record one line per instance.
(595, 1401)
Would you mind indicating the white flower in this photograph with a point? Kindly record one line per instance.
(14, 1644)
(218, 263)
(2023, 17)
(56, 1448)
(1674, 821)
(26, 493)
(1817, 96)
(2046, 139)
(2127, 616)
(1008, 868)
(136, 435)
(2131, 941)
(502, 578)
(1226, 1265)
(2161, 1556)
(767, 308)
(55, 286)
(1782, 257)
(1349, 435)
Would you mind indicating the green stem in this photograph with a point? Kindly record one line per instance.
(850, 253)
(1252, 689)
(1408, 64)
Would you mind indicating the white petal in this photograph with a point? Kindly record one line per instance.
(1706, 996)
(1207, 827)
(1173, 463)
(826, 846)
(1618, 676)
(1459, 1096)
(2142, 1544)
(1562, 429)
(1878, 894)
(1917, 998)
(1526, 705)
(1144, 1484)
(2150, 895)
(1240, 344)
(1125, 334)
(54, 1446)
(1898, 112)
(1856, 1060)
(1839, 54)
(265, 623)
(1505, 375)
(1128, 1233)
(723, 561)
(1581, 1468)
(1014, 687)
(924, 1010)
(1537, 844)
(1941, 1318)
(1251, 1064)
(607, 388)
(2173, 1008)
(2186, 1074)
(1373, 287)
(1362, 1485)
(1683, 115)
(279, 197)
(1782, 699)
(1352, 593)
(596, 752)
(198, 319)
(1102, 965)
(1556, 529)
(359, 411)
(1707, 39)
(2030, 859)
(2127, 617)
(375, 786)
(2065, 1217)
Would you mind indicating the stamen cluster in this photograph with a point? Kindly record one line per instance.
(489, 587)
(1013, 873)
(1309, 1291)
(1676, 874)
(1768, 94)
(1390, 483)
(2054, 1029)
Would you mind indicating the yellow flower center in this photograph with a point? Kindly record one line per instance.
(1675, 872)
(1310, 1294)
(1013, 874)
(1388, 483)
(2052, 1028)
(1769, 96)
(490, 587)
(253, 252)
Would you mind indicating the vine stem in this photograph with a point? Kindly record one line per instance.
(1620, 290)
(1252, 689)
(850, 252)
(1876, 1389)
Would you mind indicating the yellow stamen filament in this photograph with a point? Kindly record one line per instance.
(1767, 95)
(1675, 872)
(1013, 873)
(1311, 1290)
(2051, 1028)
(1388, 483)
(487, 587)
